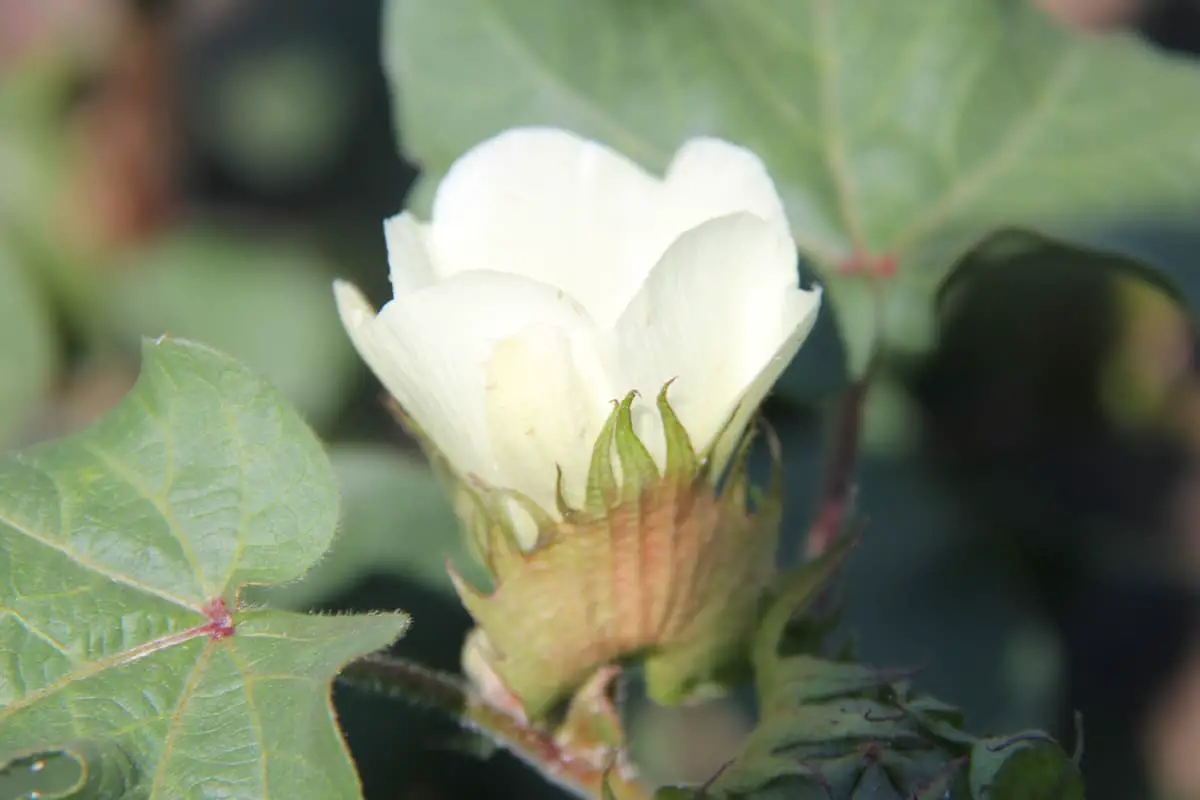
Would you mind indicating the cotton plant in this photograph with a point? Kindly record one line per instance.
(593, 288)
(582, 347)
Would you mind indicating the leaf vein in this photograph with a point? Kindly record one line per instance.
(176, 715)
(37, 632)
(131, 478)
(255, 718)
(625, 139)
(992, 167)
(102, 571)
(829, 117)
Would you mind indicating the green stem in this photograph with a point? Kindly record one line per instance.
(452, 696)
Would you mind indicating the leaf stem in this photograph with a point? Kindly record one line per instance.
(837, 493)
(451, 695)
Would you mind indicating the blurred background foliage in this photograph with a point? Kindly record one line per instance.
(206, 167)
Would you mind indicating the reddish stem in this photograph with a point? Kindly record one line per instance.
(837, 494)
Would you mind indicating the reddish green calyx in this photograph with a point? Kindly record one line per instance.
(656, 564)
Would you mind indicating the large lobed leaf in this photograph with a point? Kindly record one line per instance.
(895, 130)
(117, 547)
(396, 521)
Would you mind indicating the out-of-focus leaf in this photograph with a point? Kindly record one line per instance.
(27, 345)
(1150, 327)
(123, 550)
(267, 304)
(894, 130)
(1031, 249)
(32, 148)
(36, 161)
(396, 519)
(891, 422)
(1153, 354)
(279, 115)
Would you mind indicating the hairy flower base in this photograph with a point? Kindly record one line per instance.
(668, 569)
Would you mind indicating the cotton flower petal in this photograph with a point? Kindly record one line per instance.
(554, 207)
(718, 313)
(409, 262)
(358, 318)
(547, 400)
(431, 349)
(711, 178)
(797, 312)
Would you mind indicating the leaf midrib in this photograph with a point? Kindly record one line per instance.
(102, 571)
(87, 669)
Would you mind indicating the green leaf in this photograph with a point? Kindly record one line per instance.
(667, 793)
(836, 729)
(396, 520)
(809, 679)
(32, 145)
(893, 130)
(78, 770)
(842, 719)
(1027, 766)
(794, 594)
(27, 346)
(120, 549)
(40, 165)
(267, 304)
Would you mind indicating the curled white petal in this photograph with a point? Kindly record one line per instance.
(711, 178)
(554, 207)
(717, 315)
(410, 266)
(796, 312)
(546, 401)
(432, 350)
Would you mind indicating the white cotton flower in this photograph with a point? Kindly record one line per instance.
(555, 276)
